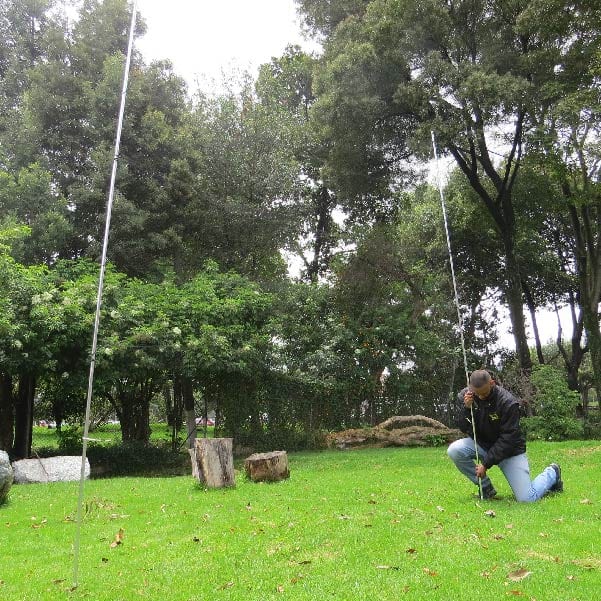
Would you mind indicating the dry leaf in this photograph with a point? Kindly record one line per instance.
(490, 513)
(118, 538)
(515, 593)
(586, 502)
(509, 526)
(226, 585)
(280, 589)
(439, 508)
(411, 551)
(571, 577)
(387, 568)
(519, 575)
(543, 534)
(498, 537)
(430, 572)
(58, 581)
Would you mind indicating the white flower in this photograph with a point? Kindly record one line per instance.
(107, 351)
(177, 331)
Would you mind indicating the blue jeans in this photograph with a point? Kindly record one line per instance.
(515, 469)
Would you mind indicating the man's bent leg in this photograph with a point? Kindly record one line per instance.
(517, 472)
(463, 454)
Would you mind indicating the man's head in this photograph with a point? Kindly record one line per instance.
(481, 383)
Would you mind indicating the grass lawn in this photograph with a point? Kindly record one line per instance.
(109, 433)
(384, 524)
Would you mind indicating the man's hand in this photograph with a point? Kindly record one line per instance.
(468, 398)
(480, 471)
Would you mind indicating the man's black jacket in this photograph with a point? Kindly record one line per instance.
(497, 421)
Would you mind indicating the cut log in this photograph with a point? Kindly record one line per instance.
(267, 467)
(213, 462)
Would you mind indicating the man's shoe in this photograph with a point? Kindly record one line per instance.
(558, 486)
(488, 492)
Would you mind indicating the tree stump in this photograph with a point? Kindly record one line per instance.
(267, 467)
(213, 462)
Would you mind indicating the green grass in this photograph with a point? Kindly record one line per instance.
(108, 433)
(361, 525)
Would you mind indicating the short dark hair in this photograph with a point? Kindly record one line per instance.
(479, 378)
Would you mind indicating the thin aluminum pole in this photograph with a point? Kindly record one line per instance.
(107, 227)
(459, 316)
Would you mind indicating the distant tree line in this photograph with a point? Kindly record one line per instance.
(319, 160)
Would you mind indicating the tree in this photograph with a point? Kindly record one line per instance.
(394, 71)
(285, 87)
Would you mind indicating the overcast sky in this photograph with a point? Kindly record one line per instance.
(204, 37)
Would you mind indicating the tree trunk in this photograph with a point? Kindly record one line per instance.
(213, 462)
(532, 310)
(593, 337)
(24, 416)
(188, 398)
(7, 413)
(267, 467)
(135, 420)
(513, 295)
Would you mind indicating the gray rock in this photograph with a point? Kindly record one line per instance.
(50, 469)
(6, 475)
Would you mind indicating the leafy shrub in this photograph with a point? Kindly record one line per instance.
(135, 459)
(69, 441)
(554, 406)
(436, 440)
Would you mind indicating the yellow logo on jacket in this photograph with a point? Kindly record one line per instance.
(493, 417)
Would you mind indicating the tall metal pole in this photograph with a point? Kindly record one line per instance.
(459, 316)
(107, 227)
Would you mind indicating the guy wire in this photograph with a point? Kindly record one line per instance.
(459, 317)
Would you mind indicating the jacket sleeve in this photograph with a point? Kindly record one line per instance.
(462, 415)
(510, 437)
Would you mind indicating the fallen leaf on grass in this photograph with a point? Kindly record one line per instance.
(226, 585)
(519, 575)
(571, 577)
(58, 581)
(411, 550)
(586, 502)
(388, 568)
(439, 508)
(509, 526)
(499, 537)
(430, 572)
(515, 593)
(485, 574)
(490, 513)
(280, 589)
(118, 538)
